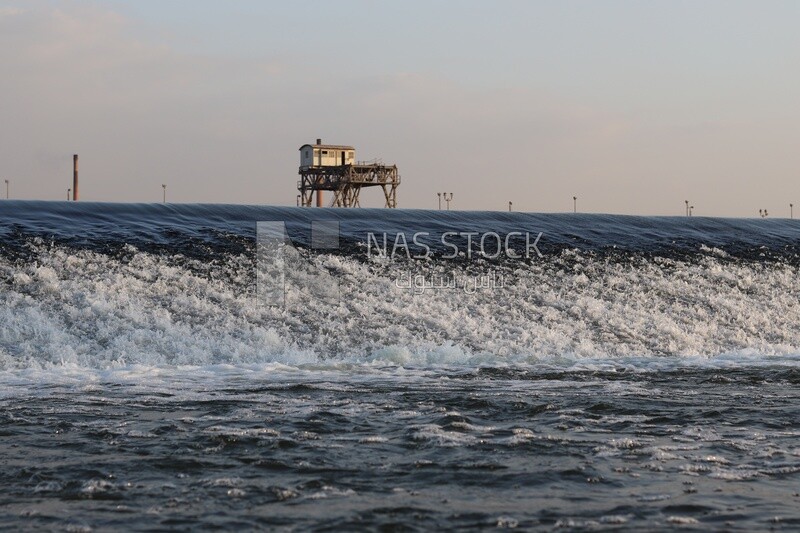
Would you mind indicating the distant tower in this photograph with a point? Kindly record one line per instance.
(75, 177)
(333, 167)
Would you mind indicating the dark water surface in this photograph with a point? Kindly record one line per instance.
(376, 447)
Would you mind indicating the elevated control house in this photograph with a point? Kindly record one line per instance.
(333, 167)
(326, 155)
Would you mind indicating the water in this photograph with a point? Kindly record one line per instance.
(643, 373)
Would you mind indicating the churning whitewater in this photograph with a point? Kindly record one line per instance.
(240, 366)
(100, 286)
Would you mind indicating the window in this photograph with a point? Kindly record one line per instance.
(324, 152)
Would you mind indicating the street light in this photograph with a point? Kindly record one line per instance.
(440, 200)
(691, 208)
(6, 189)
(448, 199)
(509, 206)
(791, 210)
(687, 207)
(164, 186)
(574, 204)
(68, 191)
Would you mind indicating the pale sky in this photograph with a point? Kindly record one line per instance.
(632, 106)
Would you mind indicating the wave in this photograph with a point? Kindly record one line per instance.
(108, 285)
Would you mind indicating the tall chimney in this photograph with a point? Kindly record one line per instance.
(75, 177)
(319, 141)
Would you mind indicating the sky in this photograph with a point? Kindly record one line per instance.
(633, 107)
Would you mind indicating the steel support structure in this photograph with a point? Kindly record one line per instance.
(346, 182)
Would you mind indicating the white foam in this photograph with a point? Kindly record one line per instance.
(443, 437)
(88, 310)
(682, 520)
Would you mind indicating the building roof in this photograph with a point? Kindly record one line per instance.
(329, 146)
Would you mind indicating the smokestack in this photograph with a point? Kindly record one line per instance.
(75, 177)
(319, 193)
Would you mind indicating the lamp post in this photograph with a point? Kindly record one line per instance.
(791, 211)
(164, 186)
(68, 191)
(6, 189)
(687, 207)
(440, 200)
(509, 206)
(574, 204)
(691, 208)
(448, 199)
